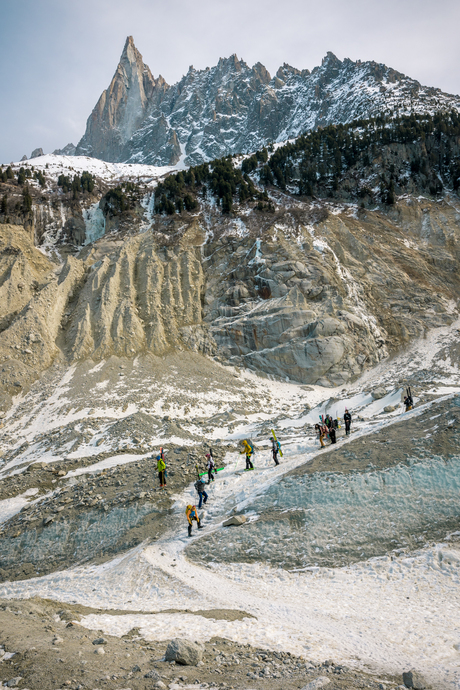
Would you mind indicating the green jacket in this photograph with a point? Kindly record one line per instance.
(160, 466)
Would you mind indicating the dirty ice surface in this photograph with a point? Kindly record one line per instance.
(344, 566)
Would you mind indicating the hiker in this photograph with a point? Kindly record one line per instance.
(321, 431)
(408, 401)
(192, 514)
(161, 467)
(248, 448)
(275, 450)
(328, 421)
(332, 435)
(347, 420)
(199, 486)
(211, 466)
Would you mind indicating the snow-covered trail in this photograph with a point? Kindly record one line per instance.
(388, 615)
(382, 613)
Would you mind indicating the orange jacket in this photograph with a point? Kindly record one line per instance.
(191, 514)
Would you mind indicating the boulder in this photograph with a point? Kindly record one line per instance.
(235, 520)
(389, 408)
(184, 652)
(413, 679)
(378, 393)
(154, 675)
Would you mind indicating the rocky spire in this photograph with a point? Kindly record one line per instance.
(121, 108)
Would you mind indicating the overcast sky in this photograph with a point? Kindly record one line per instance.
(57, 56)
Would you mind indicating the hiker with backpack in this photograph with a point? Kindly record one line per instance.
(192, 514)
(332, 435)
(275, 450)
(248, 449)
(211, 466)
(161, 468)
(321, 430)
(199, 486)
(408, 400)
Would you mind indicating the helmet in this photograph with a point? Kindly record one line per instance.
(207, 455)
(158, 457)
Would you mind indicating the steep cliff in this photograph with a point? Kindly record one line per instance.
(121, 108)
(313, 298)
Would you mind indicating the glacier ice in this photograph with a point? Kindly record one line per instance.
(334, 519)
(86, 536)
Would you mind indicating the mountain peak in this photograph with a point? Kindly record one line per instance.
(331, 59)
(232, 107)
(129, 42)
(121, 107)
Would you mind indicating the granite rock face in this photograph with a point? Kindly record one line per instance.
(232, 108)
(121, 108)
(310, 302)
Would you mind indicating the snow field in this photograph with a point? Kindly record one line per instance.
(354, 614)
(54, 165)
(396, 607)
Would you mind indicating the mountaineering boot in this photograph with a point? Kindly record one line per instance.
(190, 530)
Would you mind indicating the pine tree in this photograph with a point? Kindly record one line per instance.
(169, 207)
(87, 181)
(4, 204)
(76, 186)
(227, 203)
(9, 173)
(190, 203)
(26, 200)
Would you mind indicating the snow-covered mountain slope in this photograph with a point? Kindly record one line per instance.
(346, 552)
(53, 165)
(232, 108)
